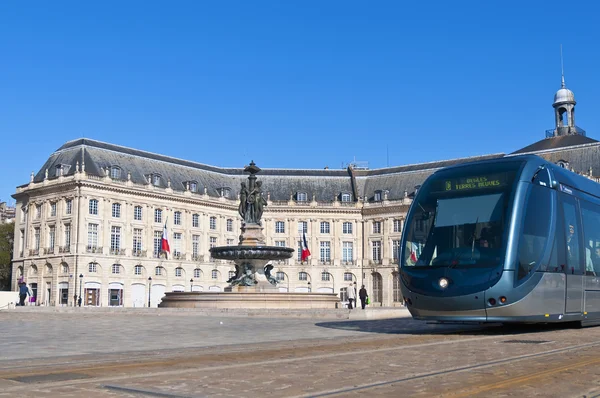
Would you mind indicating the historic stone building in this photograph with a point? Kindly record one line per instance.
(90, 222)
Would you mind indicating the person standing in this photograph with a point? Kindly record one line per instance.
(351, 296)
(362, 294)
(23, 293)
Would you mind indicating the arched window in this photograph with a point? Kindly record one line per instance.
(197, 273)
(346, 197)
(179, 272)
(302, 276)
(377, 287)
(301, 196)
(115, 172)
(138, 270)
(159, 271)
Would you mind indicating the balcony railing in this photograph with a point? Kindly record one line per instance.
(375, 262)
(117, 252)
(64, 249)
(93, 249)
(349, 262)
(324, 262)
(34, 252)
(178, 256)
(139, 253)
(197, 257)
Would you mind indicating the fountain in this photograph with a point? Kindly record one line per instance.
(252, 286)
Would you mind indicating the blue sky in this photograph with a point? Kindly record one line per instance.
(303, 84)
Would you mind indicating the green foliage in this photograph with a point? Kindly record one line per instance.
(7, 238)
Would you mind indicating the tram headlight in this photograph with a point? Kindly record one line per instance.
(443, 282)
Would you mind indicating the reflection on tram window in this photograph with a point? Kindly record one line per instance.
(536, 228)
(591, 231)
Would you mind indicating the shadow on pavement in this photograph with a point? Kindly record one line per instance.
(411, 326)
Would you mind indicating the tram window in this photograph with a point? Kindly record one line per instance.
(591, 232)
(572, 234)
(535, 230)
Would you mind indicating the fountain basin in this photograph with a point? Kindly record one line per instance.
(242, 252)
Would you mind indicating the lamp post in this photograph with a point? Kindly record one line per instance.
(191, 284)
(149, 289)
(80, 286)
(309, 286)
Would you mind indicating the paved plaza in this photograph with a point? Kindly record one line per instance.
(80, 353)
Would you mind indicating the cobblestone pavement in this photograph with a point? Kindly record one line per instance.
(129, 355)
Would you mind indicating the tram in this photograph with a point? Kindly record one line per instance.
(511, 240)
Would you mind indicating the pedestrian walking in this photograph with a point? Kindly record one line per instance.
(362, 294)
(23, 293)
(351, 296)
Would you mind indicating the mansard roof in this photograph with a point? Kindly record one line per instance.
(580, 153)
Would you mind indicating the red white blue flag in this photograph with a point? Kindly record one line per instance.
(305, 251)
(164, 242)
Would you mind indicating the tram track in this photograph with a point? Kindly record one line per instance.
(237, 361)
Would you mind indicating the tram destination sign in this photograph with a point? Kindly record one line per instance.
(475, 182)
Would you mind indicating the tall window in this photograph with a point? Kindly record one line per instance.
(93, 206)
(299, 250)
(115, 239)
(53, 209)
(229, 225)
(396, 287)
(67, 235)
(137, 213)
(116, 269)
(325, 251)
(116, 210)
(157, 215)
(38, 211)
(213, 241)
(178, 272)
(279, 227)
(214, 274)
(302, 227)
(177, 244)
(195, 246)
(347, 227)
(197, 272)
(137, 270)
(36, 242)
(376, 250)
(347, 249)
(195, 220)
(92, 236)
(158, 271)
(51, 237)
(302, 276)
(376, 227)
(177, 218)
(396, 249)
(325, 227)
(157, 243)
(137, 241)
(68, 206)
(397, 225)
(213, 222)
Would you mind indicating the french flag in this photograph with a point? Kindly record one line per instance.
(164, 242)
(305, 251)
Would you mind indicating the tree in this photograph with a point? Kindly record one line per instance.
(7, 238)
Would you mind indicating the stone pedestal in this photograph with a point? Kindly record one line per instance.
(252, 235)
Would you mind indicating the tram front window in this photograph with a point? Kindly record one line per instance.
(459, 218)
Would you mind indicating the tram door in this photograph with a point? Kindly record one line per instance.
(573, 253)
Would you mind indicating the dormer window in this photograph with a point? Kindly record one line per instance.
(115, 172)
(378, 196)
(301, 196)
(563, 163)
(346, 197)
(224, 192)
(193, 186)
(153, 179)
(61, 169)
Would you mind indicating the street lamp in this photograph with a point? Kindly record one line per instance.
(149, 289)
(309, 286)
(191, 284)
(80, 285)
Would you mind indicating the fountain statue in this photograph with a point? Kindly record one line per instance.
(252, 254)
(253, 285)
